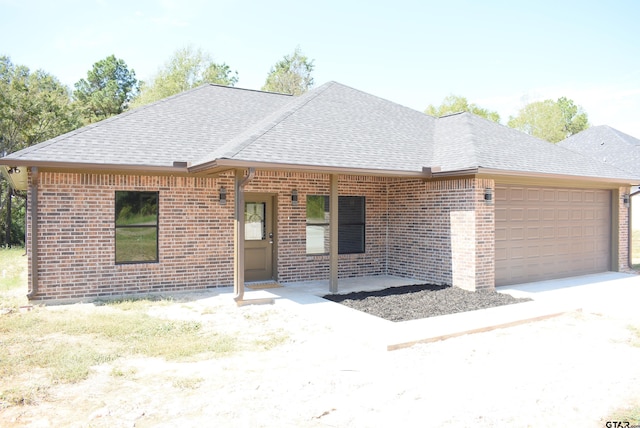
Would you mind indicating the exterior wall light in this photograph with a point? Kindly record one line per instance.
(625, 200)
(223, 196)
(294, 197)
(13, 170)
(488, 194)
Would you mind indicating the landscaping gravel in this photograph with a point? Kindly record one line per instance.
(412, 302)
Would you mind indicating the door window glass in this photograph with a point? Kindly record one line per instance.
(254, 221)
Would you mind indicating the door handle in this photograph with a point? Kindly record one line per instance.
(270, 237)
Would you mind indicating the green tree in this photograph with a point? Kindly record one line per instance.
(108, 89)
(550, 120)
(574, 119)
(34, 106)
(456, 104)
(290, 75)
(186, 69)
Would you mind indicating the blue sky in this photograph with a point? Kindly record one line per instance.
(498, 54)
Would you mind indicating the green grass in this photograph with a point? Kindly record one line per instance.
(13, 269)
(61, 344)
(635, 248)
(13, 279)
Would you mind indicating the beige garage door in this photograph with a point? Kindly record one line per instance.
(545, 233)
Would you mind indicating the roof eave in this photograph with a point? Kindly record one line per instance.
(17, 177)
(178, 168)
(220, 165)
(543, 175)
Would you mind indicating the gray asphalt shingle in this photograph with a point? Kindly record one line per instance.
(607, 145)
(334, 126)
(182, 128)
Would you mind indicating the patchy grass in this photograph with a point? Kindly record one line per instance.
(635, 330)
(630, 414)
(187, 383)
(635, 249)
(627, 416)
(61, 344)
(49, 345)
(119, 372)
(13, 278)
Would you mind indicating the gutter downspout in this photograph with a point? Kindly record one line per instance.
(240, 183)
(33, 207)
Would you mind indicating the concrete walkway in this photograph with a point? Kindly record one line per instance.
(609, 293)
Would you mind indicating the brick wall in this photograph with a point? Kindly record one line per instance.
(434, 228)
(293, 262)
(623, 231)
(76, 236)
(439, 231)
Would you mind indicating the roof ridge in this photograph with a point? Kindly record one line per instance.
(467, 139)
(625, 138)
(244, 139)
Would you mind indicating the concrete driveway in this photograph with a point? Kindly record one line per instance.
(609, 293)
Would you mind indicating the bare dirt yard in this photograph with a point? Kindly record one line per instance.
(290, 369)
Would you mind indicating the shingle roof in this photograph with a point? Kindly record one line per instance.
(181, 128)
(607, 145)
(465, 140)
(332, 126)
(338, 126)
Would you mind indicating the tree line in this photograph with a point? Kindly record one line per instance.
(36, 106)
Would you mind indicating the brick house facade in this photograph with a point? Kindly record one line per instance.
(76, 250)
(425, 183)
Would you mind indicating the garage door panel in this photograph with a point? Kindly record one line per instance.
(576, 232)
(533, 195)
(545, 233)
(501, 234)
(548, 232)
(563, 232)
(533, 214)
(516, 214)
(517, 233)
(516, 194)
(562, 196)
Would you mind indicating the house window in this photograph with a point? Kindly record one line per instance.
(351, 224)
(136, 220)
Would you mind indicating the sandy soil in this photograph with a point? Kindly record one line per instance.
(570, 370)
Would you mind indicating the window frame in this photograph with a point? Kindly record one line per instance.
(155, 226)
(341, 224)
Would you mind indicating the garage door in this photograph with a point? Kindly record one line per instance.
(545, 233)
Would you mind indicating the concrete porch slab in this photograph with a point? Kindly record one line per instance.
(602, 293)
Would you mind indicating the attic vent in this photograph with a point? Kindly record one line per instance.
(177, 164)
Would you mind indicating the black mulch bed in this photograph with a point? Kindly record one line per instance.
(412, 302)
